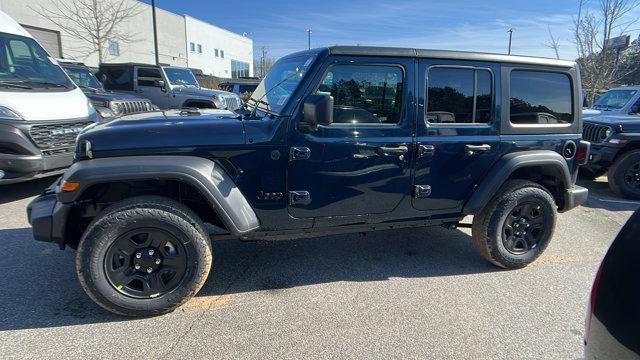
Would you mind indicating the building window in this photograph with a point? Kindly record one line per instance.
(199, 49)
(192, 47)
(222, 54)
(114, 48)
(239, 69)
(216, 53)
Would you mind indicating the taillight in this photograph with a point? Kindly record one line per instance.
(592, 303)
(582, 155)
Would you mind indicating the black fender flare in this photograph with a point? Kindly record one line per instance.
(509, 163)
(207, 176)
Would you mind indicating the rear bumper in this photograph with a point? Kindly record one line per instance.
(574, 197)
(48, 217)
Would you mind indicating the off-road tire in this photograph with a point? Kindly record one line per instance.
(617, 172)
(163, 213)
(487, 229)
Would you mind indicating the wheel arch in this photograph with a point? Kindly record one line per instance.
(547, 168)
(199, 178)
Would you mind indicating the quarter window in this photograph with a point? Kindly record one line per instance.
(540, 98)
(364, 94)
(459, 95)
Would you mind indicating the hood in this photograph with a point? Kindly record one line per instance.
(200, 91)
(104, 96)
(49, 105)
(627, 121)
(588, 113)
(163, 130)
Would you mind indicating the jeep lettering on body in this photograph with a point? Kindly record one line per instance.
(333, 140)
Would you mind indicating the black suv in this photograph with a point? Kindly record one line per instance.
(108, 104)
(615, 151)
(333, 140)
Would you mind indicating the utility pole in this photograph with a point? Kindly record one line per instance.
(309, 31)
(155, 31)
(264, 55)
(510, 31)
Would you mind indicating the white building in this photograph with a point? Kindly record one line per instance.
(182, 39)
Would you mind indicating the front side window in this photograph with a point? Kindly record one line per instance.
(364, 93)
(148, 76)
(539, 97)
(614, 99)
(25, 65)
(459, 95)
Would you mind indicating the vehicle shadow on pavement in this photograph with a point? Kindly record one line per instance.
(601, 197)
(409, 253)
(40, 288)
(19, 191)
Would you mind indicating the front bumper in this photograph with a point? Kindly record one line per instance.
(48, 217)
(574, 197)
(602, 156)
(18, 168)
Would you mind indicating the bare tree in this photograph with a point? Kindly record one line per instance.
(593, 30)
(93, 22)
(263, 65)
(553, 43)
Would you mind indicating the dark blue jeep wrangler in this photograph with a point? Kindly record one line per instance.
(333, 140)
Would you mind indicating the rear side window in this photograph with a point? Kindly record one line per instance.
(364, 94)
(115, 78)
(148, 76)
(540, 98)
(459, 95)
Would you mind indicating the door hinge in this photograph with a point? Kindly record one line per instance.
(299, 197)
(299, 153)
(421, 191)
(426, 150)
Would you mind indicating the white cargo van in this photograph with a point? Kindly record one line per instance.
(41, 110)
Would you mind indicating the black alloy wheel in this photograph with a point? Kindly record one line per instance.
(523, 228)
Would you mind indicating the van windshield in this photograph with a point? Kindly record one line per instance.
(25, 65)
(614, 99)
(273, 93)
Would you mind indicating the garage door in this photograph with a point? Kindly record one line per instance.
(49, 39)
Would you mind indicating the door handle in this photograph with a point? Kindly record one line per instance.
(472, 149)
(386, 150)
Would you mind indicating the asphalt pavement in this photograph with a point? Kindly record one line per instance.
(416, 293)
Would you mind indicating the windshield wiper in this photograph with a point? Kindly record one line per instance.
(15, 84)
(48, 84)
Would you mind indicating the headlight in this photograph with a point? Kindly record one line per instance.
(608, 132)
(8, 114)
(105, 113)
(116, 108)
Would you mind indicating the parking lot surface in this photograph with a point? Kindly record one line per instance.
(417, 293)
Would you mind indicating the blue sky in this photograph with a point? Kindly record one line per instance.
(453, 24)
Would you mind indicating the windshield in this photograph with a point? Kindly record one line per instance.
(279, 83)
(614, 99)
(24, 64)
(82, 77)
(179, 76)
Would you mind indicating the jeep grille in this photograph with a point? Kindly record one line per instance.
(132, 107)
(231, 101)
(49, 136)
(594, 133)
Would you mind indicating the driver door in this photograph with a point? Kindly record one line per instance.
(361, 163)
(147, 86)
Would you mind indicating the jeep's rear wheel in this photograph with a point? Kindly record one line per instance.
(624, 175)
(144, 256)
(516, 225)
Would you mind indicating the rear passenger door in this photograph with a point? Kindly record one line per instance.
(457, 132)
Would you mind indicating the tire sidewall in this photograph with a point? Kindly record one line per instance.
(502, 212)
(102, 235)
(619, 173)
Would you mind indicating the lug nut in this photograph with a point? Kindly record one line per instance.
(158, 261)
(137, 266)
(149, 270)
(150, 252)
(138, 256)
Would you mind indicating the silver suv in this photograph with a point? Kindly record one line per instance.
(168, 87)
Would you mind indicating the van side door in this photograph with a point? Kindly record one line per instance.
(457, 131)
(147, 84)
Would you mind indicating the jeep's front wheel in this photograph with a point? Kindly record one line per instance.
(624, 175)
(143, 256)
(516, 225)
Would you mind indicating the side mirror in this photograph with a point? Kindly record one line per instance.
(635, 109)
(159, 83)
(318, 110)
